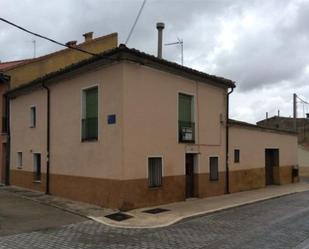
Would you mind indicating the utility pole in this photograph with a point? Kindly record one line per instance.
(179, 42)
(295, 111)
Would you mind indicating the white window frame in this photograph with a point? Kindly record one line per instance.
(194, 107)
(147, 171)
(218, 167)
(33, 116)
(82, 111)
(19, 160)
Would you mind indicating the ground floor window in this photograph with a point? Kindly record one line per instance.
(19, 160)
(154, 171)
(214, 168)
(37, 166)
(236, 156)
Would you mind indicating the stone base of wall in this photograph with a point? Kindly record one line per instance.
(241, 180)
(124, 195)
(129, 194)
(205, 188)
(304, 171)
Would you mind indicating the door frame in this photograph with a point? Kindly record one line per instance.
(275, 162)
(195, 171)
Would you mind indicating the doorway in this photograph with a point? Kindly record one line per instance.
(271, 161)
(190, 162)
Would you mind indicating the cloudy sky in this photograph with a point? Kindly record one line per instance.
(263, 45)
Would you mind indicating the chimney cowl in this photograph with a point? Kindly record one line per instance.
(88, 36)
(160, 25)
(71, 43)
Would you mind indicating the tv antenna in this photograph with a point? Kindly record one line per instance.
(34, 48)
(178, 42)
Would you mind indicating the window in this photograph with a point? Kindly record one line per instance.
(19, 160)
(155, 171)
(90, 114)
(37, 166)
(185, 118)
(32, 116)
(213, 169)
(236, 156)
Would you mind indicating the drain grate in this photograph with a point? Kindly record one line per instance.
(156, 210)
(118, 216)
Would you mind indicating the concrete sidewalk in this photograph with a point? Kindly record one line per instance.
(195, 207)
(177, 211)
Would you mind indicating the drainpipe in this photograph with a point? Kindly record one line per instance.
(227, 183)
(8, 142)
(47, 190)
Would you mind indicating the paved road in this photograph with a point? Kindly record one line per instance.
(18, 215)
(279, 223)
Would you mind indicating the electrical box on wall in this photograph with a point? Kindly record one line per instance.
(111, 119)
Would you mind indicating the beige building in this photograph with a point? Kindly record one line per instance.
(126, 130)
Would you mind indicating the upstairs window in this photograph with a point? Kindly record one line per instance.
(32, 117)
(154, 172)
(90, 114)
(236, 156)
(185, 118)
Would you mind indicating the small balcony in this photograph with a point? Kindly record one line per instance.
(89, 129)
(186, 131)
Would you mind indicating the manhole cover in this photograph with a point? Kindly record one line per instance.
(156, 210)
(118, 216)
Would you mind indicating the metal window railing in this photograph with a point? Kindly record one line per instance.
(89, 129)
(186, 132)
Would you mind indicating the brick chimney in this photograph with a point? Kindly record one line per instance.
(88, 36)
(71, 43)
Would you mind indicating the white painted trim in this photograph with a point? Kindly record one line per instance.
(196, 167)
(219, 160)
(163, 167)
(19, 160)
(194, 114)
(81, 110)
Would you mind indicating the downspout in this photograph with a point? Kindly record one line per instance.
(47, 190)
(227, 183)
(8, 142)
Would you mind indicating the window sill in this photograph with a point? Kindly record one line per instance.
(155, 188)
(187, 142)
(89, 140)
(37, 181)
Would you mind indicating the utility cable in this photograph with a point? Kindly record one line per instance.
(49, 39)
(135, 22)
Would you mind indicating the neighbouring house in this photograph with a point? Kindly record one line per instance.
(260, 156)
(23, 71)
(4, 81)
(126, 129)
(302, 128)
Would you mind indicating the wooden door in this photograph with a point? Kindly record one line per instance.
(189, 175)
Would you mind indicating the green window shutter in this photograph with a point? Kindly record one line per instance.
(185, 108)
(91, 103)
(90, 114)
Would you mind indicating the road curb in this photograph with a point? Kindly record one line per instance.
(195, 215)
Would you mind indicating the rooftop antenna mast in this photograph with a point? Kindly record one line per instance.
(179, 42)
(34, 48)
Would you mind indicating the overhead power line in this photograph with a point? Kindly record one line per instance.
(135, 22)
(49, 39)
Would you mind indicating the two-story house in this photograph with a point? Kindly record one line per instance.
(126, 129)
